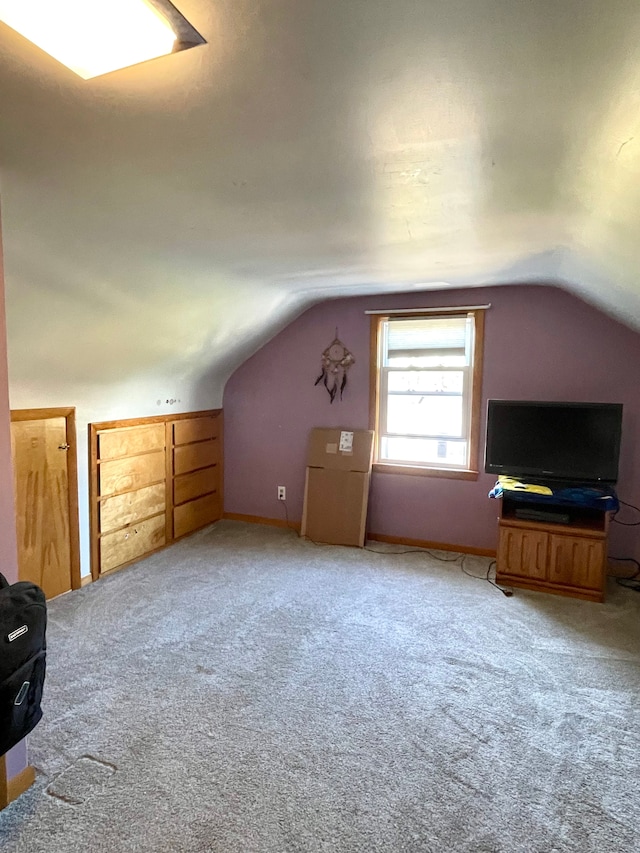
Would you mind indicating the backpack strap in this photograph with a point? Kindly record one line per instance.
(4, 583)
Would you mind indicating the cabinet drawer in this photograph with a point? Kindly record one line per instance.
(186, 487)
(126, 475)
(522, 552)
(131, 542)
(195, 514)
(130, 440)
(121, 510)
(193, 456)
(577, 561)
(194, 429)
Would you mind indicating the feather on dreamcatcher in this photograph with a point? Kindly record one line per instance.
(336, 360)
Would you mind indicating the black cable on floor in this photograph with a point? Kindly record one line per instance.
(628, 560)
(459, 558)
(504, 590)
(630, 581)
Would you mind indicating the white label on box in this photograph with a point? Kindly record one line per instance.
(346, 442)
(331, 447)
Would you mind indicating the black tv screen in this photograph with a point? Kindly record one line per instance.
(576, 442)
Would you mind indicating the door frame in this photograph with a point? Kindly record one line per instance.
(69, 414)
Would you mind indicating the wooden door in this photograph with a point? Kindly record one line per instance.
(45, 483)
(522, 552)
(578, 561)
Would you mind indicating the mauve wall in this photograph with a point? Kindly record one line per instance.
(16, 758)
(8, 546)
(540, 343)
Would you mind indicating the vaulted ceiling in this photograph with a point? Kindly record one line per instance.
(174, 215)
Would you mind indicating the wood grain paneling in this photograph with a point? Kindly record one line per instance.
(131, 542)
(121, 510)
(567, 558)
(143, 468)
(189, 457)
(194, 485)
(577, 561)
(523, 552)
(195, 514)
(41, 486)
(11, 789)
(197, 429)
(134, 472)
(127, 442)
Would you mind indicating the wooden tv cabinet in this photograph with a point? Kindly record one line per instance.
(567, 557)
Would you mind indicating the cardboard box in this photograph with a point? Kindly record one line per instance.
(336, 493)
(325, 449)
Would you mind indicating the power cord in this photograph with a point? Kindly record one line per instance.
(413, 551)
(286, 516)
(459, 558)
(626, 523)
(507, 591)
(628, 560)
(628, 581)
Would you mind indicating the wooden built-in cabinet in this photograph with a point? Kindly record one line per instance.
(567, 558)
(152, 481)
(196, 459)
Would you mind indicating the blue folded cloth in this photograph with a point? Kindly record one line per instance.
(603, 498)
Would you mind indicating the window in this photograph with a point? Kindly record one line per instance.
(427, 391)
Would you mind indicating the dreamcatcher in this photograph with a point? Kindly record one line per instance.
(336, 360)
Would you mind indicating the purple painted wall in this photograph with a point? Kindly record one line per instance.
(8, 546)
(16, 758)
(541, 343)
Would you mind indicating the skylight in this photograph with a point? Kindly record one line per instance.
(93, 37)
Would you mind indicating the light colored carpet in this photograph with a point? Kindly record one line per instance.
(249, 691)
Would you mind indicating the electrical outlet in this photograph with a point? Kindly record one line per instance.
(282, 493)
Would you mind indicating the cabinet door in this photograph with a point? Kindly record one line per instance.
(131, 542)
(577, 561)
(522, 552)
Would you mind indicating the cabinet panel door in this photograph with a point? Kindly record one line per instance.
(577, 561)
(195, 514)
(122, 510)
(196, 429)
(114, 443)
(131, 542)
(189, 486)
(522, 552)
(190, 457)
(133, 472)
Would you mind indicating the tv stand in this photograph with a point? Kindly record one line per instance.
(555, 548)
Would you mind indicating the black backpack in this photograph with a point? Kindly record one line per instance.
(23, 623)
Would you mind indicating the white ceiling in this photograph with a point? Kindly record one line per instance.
(176, 214)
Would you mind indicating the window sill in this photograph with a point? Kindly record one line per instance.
(419, 471)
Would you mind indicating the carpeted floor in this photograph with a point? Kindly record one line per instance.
(249, 691)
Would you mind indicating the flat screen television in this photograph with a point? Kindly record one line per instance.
(542, 441)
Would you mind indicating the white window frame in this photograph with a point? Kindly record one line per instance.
(471, 391)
